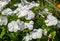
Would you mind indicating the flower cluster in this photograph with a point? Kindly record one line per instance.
(51, 20)
(14, 26)
(36, 33)
(23, 10)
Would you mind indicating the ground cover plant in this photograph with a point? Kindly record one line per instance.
(29, 20)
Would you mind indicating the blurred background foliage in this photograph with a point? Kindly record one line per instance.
(5, 35)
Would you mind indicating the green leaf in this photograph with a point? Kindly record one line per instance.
(12, 35)
(53, 33)
(3, 32)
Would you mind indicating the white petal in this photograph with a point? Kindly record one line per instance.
(7, 11)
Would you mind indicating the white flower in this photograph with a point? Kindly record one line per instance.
(37, 33)
(22, 13)
(31, 22)
(58, 25)
(13, 26)
(17, 10)
(7, 11)
(46, 9)
(29, 25)
(24, 10)
(26, 5)
(3, 20)
(27, 38)
(51, 20)
(30, 15)
(21, 24)
(31, 5)
(3, 3)
(45, 32)
(27, 13)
